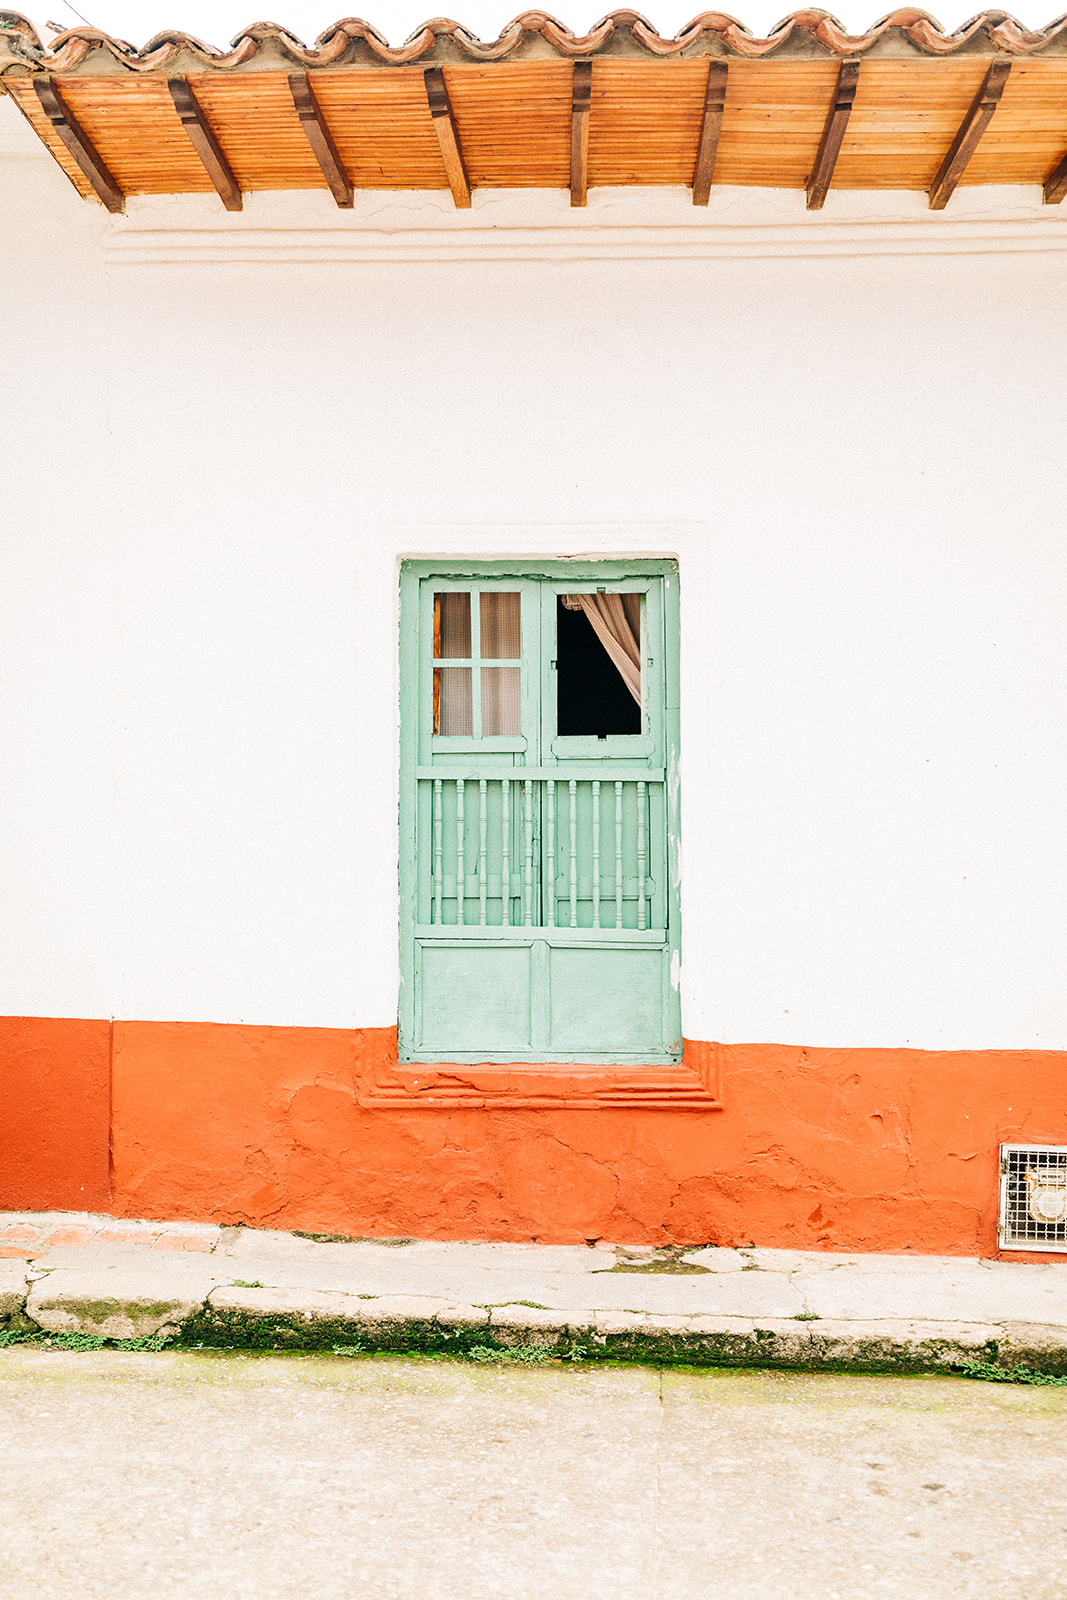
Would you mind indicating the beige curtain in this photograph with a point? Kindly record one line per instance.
(616, 621)
(501, 635)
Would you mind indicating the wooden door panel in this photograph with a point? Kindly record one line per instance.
(475, 998)
(607, 1000)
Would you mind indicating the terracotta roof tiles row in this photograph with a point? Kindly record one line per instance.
(354, 43)
(903, 106)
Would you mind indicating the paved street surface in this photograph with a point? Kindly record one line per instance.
(128, 1476)
(119, 1279)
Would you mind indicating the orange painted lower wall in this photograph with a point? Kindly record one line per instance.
(54, 1113)
(856, 1149)
(880, 1150)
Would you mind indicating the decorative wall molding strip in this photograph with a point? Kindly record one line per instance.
(173, 230)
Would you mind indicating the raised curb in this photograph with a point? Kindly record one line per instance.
(13, 1289)
(108, 1310)
(291, 1319)
(177, 1282)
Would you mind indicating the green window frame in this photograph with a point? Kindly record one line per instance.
(538, 871)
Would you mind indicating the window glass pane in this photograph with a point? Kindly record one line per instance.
(501, 687)
(598, 675)
(501, 627)
(452, 627)
(452, 703)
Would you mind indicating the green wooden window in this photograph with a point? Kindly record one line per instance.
(539, 812)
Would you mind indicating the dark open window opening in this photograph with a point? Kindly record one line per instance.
(591, 697)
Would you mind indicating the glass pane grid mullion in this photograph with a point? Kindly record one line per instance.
(489, 681)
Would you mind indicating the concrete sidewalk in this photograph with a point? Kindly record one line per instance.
(66, 1273)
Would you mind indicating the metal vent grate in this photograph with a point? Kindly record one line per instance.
(1033, 1197)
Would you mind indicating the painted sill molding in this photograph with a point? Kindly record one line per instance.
(694, 1085)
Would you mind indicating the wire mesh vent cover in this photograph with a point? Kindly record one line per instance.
(1033, 1197)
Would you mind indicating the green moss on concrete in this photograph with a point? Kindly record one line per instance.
(250, 1332)
(989, 1372)
(809, 1351)
(42, 1339)
(100, 1311)
(230, 1329)
(660, 1268)
(808, 1348)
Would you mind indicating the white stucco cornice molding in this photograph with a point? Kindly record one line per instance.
(617, 225)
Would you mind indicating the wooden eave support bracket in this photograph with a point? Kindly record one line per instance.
(320, 138)
(204, 143)
(714, 105)
(970, 132)
(833, 134)
(78, 143)
(444, 124)
(581, 99)
(1056, 184)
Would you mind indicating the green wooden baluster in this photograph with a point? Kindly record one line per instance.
(640, 855)
(438, 841)
(483, 825)
(461, 865)
(550, 857)
(505, 851)
(527, 818)
(618, 855)
(572, 825)
(596, 853)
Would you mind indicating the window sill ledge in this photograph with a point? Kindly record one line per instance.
(692, 1085)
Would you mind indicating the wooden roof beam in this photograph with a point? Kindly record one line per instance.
(581, 100)
(833, 133)
(320, 138)
(1056, 183)
(970, 132)
(204, 142)
(78, 143)
(711, 127)
(444, 124)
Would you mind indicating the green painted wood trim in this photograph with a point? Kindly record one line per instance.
(572, 1058)
(592, 938)
(415, 755)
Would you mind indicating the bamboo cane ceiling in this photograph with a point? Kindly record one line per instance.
(904, 106)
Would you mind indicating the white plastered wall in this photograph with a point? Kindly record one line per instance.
(213, 467)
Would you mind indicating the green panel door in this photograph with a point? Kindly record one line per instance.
(538, 727)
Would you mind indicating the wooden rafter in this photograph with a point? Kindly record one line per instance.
(781, 112)
(320, 138)
(77, 141)
(833, 133)
(581, 99)
(970, 132)
(204, 142)
(1056, 183)
(444, 124)
(714, 105)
